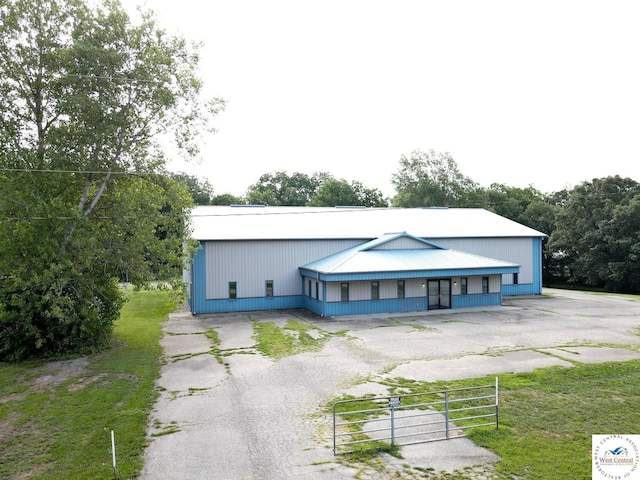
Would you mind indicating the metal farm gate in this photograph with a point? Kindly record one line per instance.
(363, 423)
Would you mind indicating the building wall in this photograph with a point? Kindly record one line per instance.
(526, 252)
(514, 250)
(251, 263)
(360, 301)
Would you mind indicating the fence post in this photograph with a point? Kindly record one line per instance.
(446, 413)
(497, 403)
(334, 428)
(394, 402)
(393, 427)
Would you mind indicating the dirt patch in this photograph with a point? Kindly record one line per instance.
(84, 381)
(60, 371)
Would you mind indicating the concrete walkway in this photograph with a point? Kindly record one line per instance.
(250, 417)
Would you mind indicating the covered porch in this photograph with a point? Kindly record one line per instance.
(401, 273)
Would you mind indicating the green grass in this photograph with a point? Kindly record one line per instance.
(293, 338)
(62, 430)
(547, 416)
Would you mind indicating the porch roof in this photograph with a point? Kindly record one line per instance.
(367, 258)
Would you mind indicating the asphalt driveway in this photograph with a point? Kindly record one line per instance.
(251, 417)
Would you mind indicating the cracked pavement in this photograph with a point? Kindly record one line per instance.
(232, 413)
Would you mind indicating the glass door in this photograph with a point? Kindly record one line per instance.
(439, 292)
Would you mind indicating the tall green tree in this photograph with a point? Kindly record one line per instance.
(623, 235)
(597, 233)
(227, 199)
(334, 192)
(280, 188)
(427, 179)
(201, 190)
(85, 93)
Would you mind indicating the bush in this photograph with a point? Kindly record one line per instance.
(56, 312)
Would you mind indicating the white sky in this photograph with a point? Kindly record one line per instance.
(543, 93)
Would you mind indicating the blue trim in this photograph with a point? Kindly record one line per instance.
(536, 264)
(198, 282)
(521, 289)
(249, 304)
(476, 300)
(348, 277)
(394, 305)
(363, 307)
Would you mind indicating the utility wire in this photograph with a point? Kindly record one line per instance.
(39, 170)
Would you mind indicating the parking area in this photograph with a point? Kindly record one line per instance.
(240, 415)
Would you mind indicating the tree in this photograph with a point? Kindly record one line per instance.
(335, 192)
(227, 199)
(596, 234)
(511, 202)
(280, 188)
(85, 94)
(623, 234)
(430, 179)
(201, 190)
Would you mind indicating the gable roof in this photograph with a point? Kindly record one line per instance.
(283, 223)
(428, 257)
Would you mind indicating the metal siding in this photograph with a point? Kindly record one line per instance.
(388, 288)
(375, 306)
(413, 288)
(474, 284)
(514, 250)
(312, 293)
(198, 282)
(251, 263)
(414, 304)
(333, 292)
(403, 243)
(477, 300)
(536, 262)
(359, 291)
(250, 304)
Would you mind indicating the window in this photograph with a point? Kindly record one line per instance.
(400, 288)
(485, 284)
(344, 292)
(317, 291)
(269, 288)
(375, 290)
(515, 278)
(233, 290)
(463, 286)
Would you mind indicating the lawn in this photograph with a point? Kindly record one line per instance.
(56, 417)
(547, 416)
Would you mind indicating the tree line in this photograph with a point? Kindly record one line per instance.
(593, 229)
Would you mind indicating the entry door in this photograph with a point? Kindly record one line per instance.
(439, 292)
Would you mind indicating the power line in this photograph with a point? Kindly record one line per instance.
(43, 170)
(329, 210)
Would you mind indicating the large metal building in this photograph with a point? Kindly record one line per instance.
(347, 261)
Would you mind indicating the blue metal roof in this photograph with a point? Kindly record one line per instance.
(368, 258)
